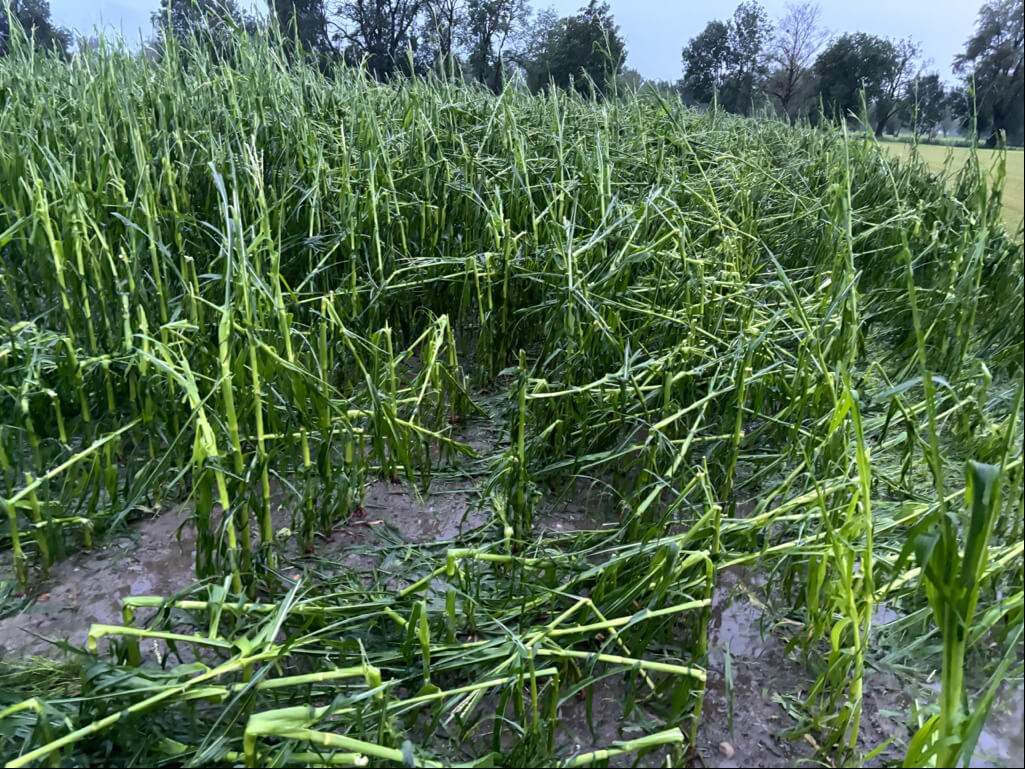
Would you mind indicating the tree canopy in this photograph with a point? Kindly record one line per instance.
(303, 21)
(490, 26)
(378, 32)
(200, 21)
(34, 18)
(728, 59)
(583, 49)
(992, 64)
(928, 104)
(862, 64)
(707, 61)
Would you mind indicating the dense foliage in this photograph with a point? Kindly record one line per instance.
(993, 64)
(727, 60)
(794, 66)
(33, 16)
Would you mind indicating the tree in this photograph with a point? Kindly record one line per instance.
(629, 80)
(378, 31)
(798, 38)
(961, 105)
(210, 21)
(992, 61)
(443, 20)
(707, 62)
(540, 40)
(751, 33)
(581, 50)
(34, 18)
(928, 104)
(861, 63)
(490, 25)
(951, 121)
(728, 59)
(851, 64)
(303, 21)
(896, 83)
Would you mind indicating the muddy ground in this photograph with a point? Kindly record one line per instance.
(765, 683)
(155, 555)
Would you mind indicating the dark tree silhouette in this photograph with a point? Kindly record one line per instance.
(379, 31)
(581, 50)
(443, 21)
(728, 59)
(34, 18)
(207, 22)
(992, 63)
(490, 26)
(882, 69)
(928, 104)
(303, 21)
(799, 36)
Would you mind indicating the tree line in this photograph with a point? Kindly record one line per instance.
(742, 64)
(801, 71)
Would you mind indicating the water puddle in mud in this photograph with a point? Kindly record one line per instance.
(760, 672)
(1002, 741)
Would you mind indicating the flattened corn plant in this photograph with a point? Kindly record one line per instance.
(769, 346)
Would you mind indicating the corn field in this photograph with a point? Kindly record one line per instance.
(239, 285)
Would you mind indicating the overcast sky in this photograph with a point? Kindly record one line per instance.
(655, 30)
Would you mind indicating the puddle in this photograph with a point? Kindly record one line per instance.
(1002, 741)
(884, 615)
(758, 670)
(736, 618)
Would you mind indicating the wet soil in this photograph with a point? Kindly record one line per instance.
(153, 556)
(737, 728)
(583, 725)
(1002, 742)
(766, 684)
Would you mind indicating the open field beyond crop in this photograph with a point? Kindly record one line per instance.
(356, 424)
(948, 161)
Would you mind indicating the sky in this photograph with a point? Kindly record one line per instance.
(655, 30)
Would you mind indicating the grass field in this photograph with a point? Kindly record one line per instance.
(476, 416)
(948, 161)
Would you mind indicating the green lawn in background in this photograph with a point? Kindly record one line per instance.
(950, 159)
